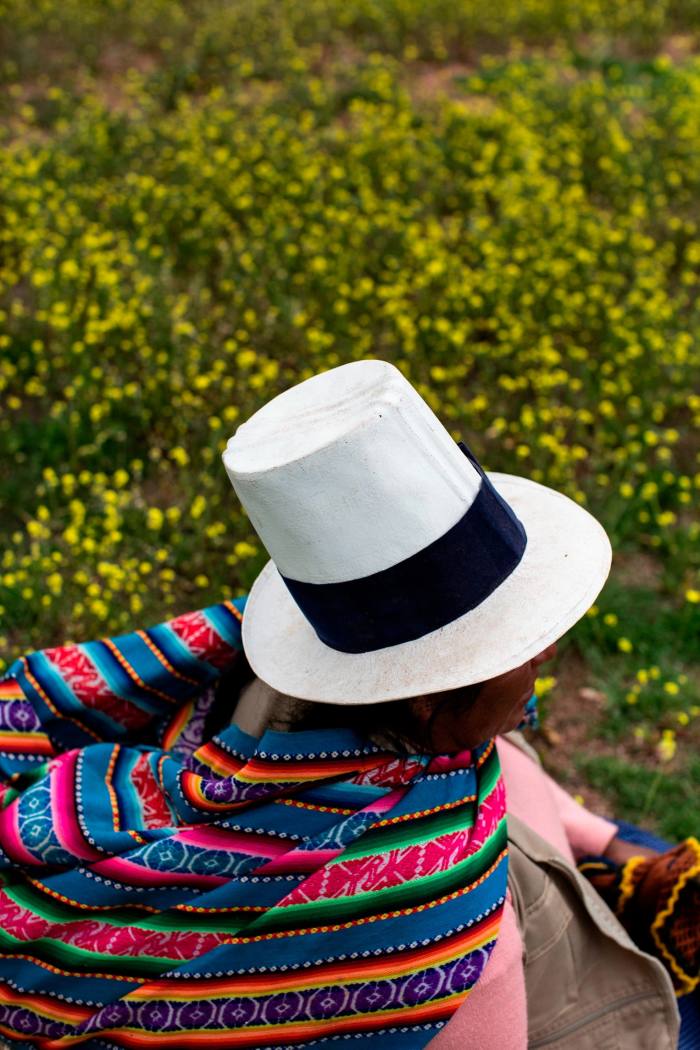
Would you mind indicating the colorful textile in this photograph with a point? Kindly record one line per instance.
(689, 1005)
(657, 900)
(531, 718)
(163, 884)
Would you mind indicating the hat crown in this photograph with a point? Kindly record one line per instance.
(348, 473)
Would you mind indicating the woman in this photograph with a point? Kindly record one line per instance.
(464, 717)
(171, 877)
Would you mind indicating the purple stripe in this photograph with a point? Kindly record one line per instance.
(327, 1002)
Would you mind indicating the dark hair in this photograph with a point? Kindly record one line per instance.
(392, 723)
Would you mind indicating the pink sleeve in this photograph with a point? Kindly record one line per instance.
(586, 832)
(495, 1013)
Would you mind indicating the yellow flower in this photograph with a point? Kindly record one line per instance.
(198, 507)
(154, 518)
(246, 358)
(624, 645)
(179, 454)
(100, 609)
(245, 550)
(692, 596)
(69, 268)
(55, 582)
(544, 685)
(666, 747)
(671, 688)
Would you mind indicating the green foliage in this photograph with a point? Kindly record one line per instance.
(203, 203)
(199, 40)
(637, 791)
(642, 649)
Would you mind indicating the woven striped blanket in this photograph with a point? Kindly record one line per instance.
(160, 886)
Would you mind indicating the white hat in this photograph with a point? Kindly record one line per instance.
(399, 567)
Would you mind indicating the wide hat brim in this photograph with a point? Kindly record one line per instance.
(565, 564)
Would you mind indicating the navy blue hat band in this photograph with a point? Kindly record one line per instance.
(431, 588)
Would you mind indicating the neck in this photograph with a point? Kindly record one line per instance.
(260, 707)
(255, 707)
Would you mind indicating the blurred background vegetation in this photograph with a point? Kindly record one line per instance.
(202, 203)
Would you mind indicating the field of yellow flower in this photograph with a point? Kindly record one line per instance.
(203, 203)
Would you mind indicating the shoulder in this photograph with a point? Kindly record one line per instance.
(495, 1013)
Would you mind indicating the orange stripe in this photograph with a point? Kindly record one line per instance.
(10, 689)
(191, 789)
(232, 609)
(130, 1037)
(159, 655)
(343, 810)
(134, 675)
(176, 726)
(371, 918)
(72, 973)
(44, 1006)
(114, 803)
(487, 752)
(263, 770)
(52, 707)
(424, 812)
(90, 907)
(367, 969)
(218, 760)
(20, 742)
(218, 910)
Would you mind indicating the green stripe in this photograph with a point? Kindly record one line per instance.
(32, 900)
(421, 829)
(488, 774)
(409, 833)
(10, 795)
(408, 894)
(67, 956)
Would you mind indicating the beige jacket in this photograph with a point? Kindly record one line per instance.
(588, 986)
